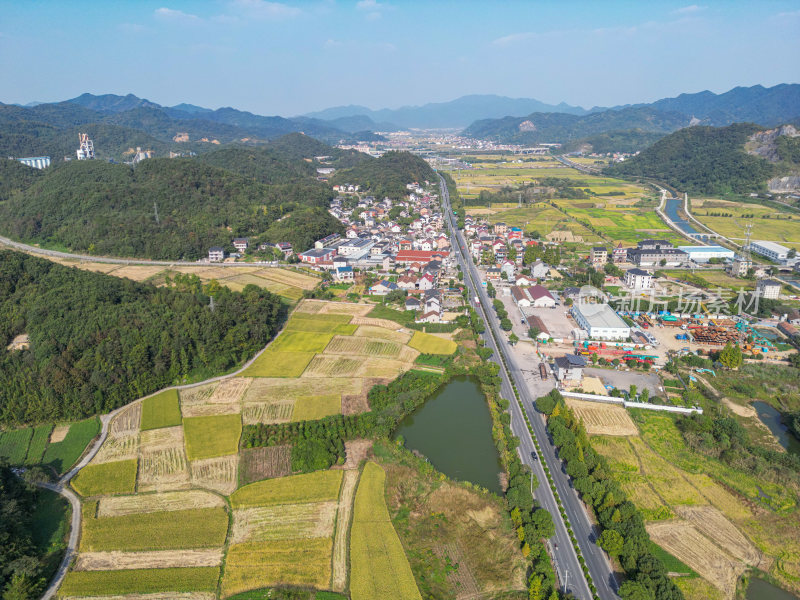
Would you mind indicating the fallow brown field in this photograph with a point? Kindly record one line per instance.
(256, 464)
(603, 419)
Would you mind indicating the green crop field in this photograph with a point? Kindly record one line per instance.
(62, 455)
(311, 408)
(308, 487)
(169, 530)
(108, 478)
(38, 444)
(768, 223)
(140, 581)
(430, 344)
(379, 567)
(301, 341)
(274, 363)
(161, 410)
(50, 521)
(302, 562)
(14, 445)
(212, 436)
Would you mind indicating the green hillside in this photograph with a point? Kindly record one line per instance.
(702, 160)
(98, 342)
(387, 175)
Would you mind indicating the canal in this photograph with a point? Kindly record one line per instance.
(772, 419)
(671, 210)
(453, 430)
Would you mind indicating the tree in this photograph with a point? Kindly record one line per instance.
(505, 324)
(731, 356)
(794, 359)
(633, 590)
(543, 521)
(533, 331)
(611, 541)
(513, 339)
(663, 262)
(644, 395)
(633, 392)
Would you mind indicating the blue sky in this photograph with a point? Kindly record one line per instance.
(290, 58)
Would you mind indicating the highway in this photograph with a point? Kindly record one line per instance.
(569, 572)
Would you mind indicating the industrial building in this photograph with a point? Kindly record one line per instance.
(702, 254)
(771, 250)
(600, 321)
(768, 288)
(37, 162)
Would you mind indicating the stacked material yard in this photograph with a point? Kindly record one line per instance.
(718, 336)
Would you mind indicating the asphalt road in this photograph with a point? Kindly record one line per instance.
(566, 562)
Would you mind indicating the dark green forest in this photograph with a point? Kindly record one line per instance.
(629, 140)
(702, 160)
(97, 342)
(387, 175)
(102, 208)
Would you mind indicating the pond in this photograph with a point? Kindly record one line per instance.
(758, 589)
(772, 419)
(453, 430)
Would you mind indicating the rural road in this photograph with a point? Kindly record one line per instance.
(125, 261)
(568, 568)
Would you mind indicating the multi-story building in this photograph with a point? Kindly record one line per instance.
(216, 254)
(671, 257)
(771, 250)
(768, 288)
(37, 162)
(637, 279)
(599, 255)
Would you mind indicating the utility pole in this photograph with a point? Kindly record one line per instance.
(155, 209)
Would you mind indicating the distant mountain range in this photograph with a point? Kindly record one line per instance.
(757, 104)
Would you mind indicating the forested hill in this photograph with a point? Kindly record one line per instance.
(98, 342)
(108, 209)
(703, 160)
(387, 175)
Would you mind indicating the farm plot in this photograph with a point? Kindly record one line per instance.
(254, 565)
(65, 452)
(375, 322)
(128, 420)
(118, 447)
(430, 344)
(318, 486)
(267, 412)
(14, 445)
(161, 410)
(665, 478)
(345, 308)
(266, 389)
(713, 524)
(304, 281)
(603, 419)
(343, 515)
(378, 563)
(274, 363)
(162, 460)
(384, 368)
(213, 436)
(685, 542)
(311, 408)
(283, 522)
(256, 464)
(172, 530)
(106, 478)
(383, 333)
(140, 581)
(118, 506)
(301, 341)
(38, 444)
(363, 346)
(218, 474)
(225, 399)
(332, 366)
(198, 394)
(106, 561)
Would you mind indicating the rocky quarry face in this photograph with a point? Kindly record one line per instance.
(784, 185)
(762, 143)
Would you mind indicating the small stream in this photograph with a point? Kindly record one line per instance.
(453, 430)
(772, 419)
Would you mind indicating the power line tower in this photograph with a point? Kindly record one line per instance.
(155, 209)
(748, 232)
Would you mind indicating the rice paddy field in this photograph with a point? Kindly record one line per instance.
(286, 282)
(727, 217)
(704, 513)
(171, 492)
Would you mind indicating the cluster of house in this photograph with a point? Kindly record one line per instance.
(217, 253)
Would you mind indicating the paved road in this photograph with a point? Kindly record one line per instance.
(566, 561)
(124, 261)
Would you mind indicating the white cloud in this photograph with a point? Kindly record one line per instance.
(262, 9)
(514, 38)
(373, 8)
(686, 10)
(176, 15)
(788, 15)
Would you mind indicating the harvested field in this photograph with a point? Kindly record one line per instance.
(197, 395)
(371, 321)
(343, 517)
(118, 506)
(383, 368)
(128, 420)
(713, 524)
(289, 277)
(283, 522)
(665, 478)
(106, 561)
(430, 344)
(301, 341)
(170, 530)
(266, 389)
(332, 366)
(211, 410)
(161, 410)
(274, 363)
(218, 474)
(685, 542)
(719, 497)
(379, 565)
(107, 478)
(256, 464)
(262, 412)
(345, 308)
(118, 447)
(312, 408)
(353, 404)
(162, 460)
(603, 419)
(382, 333)
(209, 437)
(153, 582)
(318, 486)
(138, 272)
(152, 596)
(59, 433)
(254, 565)
(364, 346)
(309, 307)
(230, 391)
